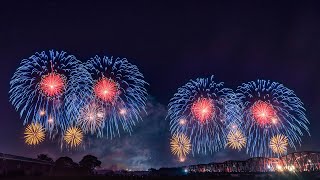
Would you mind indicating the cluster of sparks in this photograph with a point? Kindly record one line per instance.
(52, 84)
(73, 136)
(58, 92)
(106, 90)
(255, 113)
(203, 109)
(34, 134)
(264, 113)
(278, 144)
(70, 98)
(91, 118)
(180, 146)
(236, 140)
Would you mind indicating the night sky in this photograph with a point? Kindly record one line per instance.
(170, 43)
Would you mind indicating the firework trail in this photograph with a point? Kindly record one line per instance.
(270, 108)
(38, 88)
(203, 110)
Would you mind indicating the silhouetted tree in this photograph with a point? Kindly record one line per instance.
(65, 162)
(45, 157)
(89, 162)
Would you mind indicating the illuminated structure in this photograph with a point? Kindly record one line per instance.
(293, 162)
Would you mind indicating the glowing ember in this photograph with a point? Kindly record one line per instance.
(106, 89)
(123, 111)
(203, 109)
(182, 122)
(52, 84)
(263, 113)
(42, 113)
(50, 120)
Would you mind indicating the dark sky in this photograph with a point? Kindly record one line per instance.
(171, 43)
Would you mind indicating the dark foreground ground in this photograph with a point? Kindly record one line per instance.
(300, 176)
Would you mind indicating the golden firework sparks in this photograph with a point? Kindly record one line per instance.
(278, 144)
(73, 136)
(180, 145)
(236, 140)
(34, 134)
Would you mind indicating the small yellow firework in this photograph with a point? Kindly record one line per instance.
(180, 145)
(34, 134)
(73, 136)
(236, 140)
(278, 144)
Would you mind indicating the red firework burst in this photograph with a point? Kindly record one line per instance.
(263, 113)
(203, 109)
(106, 89)
(52, 84)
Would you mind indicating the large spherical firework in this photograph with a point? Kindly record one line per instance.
(236, 140)
(270, 108)
(52, 84)
(106, 89)
(34, 134)
(73, 136)
(263, 113)
(118, 87)
(39, 88)
(91, 118)
(278, 144)
(202, 109)
(180, 146)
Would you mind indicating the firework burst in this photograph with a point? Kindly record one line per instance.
(236, 140)
(34, 134)
(278, 144)
(73, 136)
(180, 146)
(202, 109)
(270, 108)
(91, 119)
(117, 86)
(39, 88)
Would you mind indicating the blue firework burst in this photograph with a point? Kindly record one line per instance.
(269, 109)
(203, 109)
(38, 88)
(116, 86)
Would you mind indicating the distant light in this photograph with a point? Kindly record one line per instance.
(182, 159)
(279, 168)
(186, 170)
(309, 160)
(182, 122)
(123, 111)
(269, 167)
(291, 168)
(100, 114)
(50, 120)
(42, 113)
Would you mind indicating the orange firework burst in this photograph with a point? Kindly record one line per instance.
(236, 140)
(34, 134)
(180, 145)
(203, 109)
(263, 113)
(106, 89)
(278, 144)
(52, 84)
(73, 136)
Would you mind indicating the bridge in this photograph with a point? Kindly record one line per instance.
(305, 161)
